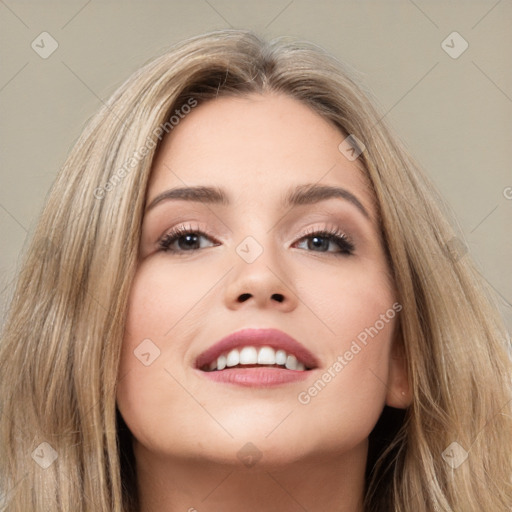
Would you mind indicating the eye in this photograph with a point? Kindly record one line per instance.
(188, 239)
(182, 239)
(322, 239)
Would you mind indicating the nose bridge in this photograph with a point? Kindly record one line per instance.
(259, 275)
(256, 235)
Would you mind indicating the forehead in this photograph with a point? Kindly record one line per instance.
(256, 146)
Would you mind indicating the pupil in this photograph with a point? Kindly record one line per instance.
(316, 239)
(191, 239)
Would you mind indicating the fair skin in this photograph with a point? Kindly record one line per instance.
(187, 429)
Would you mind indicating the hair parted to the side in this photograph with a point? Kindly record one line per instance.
(62, 337)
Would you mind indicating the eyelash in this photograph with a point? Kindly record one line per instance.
(332, 234)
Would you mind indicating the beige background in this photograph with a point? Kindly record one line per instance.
(455, 114)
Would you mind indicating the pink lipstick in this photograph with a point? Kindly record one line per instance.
(256, 357)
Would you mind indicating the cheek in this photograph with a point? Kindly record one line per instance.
(166, 300)
(355, 320)
(163, 293)
(348, 300)
(156, 315)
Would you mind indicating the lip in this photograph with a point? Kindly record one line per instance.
(258, 338)
(256, 377)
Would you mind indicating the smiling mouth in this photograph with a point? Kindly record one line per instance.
(252, 357)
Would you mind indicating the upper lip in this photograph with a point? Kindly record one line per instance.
(257, 338)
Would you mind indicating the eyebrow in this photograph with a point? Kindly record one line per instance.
(300, 195)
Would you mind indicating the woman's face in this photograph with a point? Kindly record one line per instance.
(258, 265)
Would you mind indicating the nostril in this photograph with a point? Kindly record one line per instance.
(276, 296)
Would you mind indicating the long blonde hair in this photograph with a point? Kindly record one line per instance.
(63, 445)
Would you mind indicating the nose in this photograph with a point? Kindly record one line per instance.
(263, 283)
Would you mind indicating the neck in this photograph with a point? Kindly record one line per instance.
(329, 482)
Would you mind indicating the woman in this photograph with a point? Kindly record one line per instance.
(242, 294)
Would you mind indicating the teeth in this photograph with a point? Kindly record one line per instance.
(281, 357)
(248, 355)
(251, 355)
(266, 355)
(291, 363)
(233, 358)
(221, 362)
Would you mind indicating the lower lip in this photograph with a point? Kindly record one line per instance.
(256, 377)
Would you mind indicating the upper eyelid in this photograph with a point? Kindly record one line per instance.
(324, 213)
